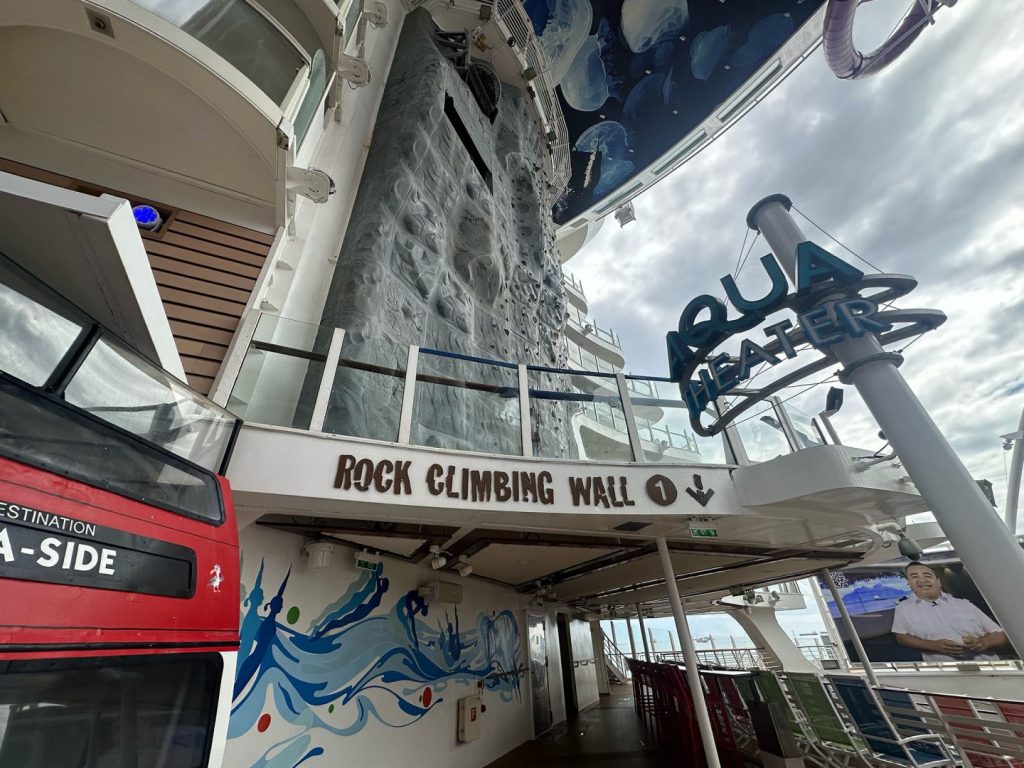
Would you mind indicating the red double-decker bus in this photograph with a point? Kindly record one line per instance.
(118, 550)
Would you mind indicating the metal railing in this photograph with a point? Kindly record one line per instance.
(511, 16)
(317, 378)
(587, 325)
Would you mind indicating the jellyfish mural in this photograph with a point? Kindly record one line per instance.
(635, 78)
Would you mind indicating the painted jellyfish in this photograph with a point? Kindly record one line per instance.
(706, 51)
(647, 22)
(765, 36)
(566, 30)
(588, 82)
(610, 139)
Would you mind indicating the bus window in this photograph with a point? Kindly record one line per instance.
(109, 712)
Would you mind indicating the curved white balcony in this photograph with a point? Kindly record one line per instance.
(599, 341)
(199, 103)
(574, 291)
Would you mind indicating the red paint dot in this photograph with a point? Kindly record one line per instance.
(426, 697)
(263, 723)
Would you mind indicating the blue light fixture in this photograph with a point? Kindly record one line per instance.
(147, 217)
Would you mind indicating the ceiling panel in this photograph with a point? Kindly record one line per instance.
(519, 563)
(399, 546)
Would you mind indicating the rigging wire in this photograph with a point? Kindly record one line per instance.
(836, 240)
(736, 269)
(803, 388)
(739, 268)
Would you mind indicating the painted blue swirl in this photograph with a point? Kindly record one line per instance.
(355, 664)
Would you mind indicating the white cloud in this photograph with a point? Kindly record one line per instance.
(918, 169)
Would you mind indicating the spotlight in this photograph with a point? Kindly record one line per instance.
(909, 548)
(463, 567)
(437, 561)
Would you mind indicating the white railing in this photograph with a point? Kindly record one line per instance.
(510, 16)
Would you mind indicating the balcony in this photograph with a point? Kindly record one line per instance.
(199, 103)
(324, 381)
(588, 334)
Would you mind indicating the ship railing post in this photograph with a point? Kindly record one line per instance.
(408, 396)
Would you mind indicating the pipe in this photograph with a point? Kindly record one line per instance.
(643, 633)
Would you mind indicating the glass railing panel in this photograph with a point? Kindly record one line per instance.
(240, 34)
(281, 373)
(36, 328)
(577, 417)
(466, 405)
(761, 433)
(666, 435)
(120, 387)
(366, 400)
(807, 434)
(310, 105)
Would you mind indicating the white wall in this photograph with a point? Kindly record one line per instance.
(426, 740)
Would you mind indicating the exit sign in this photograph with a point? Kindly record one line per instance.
(704, 533)
(366, 565)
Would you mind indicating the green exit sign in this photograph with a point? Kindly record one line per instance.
(705, 533)
(366, 565)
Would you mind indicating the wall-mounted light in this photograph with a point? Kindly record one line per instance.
(319, 553)
(909, 548)
(463, 567)
(147, 217)
(437, 560)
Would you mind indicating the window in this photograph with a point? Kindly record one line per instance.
(35, 330)
(133, 712)
(242, 35)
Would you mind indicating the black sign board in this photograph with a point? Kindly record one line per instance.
(42, 546)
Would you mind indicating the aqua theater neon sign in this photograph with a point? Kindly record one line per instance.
(829, 307)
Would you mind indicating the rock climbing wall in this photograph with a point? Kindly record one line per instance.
(450, 253)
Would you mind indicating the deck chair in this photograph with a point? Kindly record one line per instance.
(873, 726)
(736, 707)
(721, 721)
(987, 733)
(824, 721)
(768, 688)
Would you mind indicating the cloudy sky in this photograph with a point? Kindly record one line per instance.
(919, 169)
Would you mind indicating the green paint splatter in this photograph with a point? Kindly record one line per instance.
(330, 708)
(293, 614)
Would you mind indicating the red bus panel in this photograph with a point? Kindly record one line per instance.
(88, 572)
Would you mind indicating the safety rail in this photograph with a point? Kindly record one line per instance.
(586, 325)
(318, 378)
(828, 720)
(512, 19)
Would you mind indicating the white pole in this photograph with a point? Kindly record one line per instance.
(632, 642)
(991, 554)
(1013, 484)
(826, 575)
(707, 733)
(615, 640)
(830, 624)
(643, 633)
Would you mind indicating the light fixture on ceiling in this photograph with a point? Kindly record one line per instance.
(437, 560)
(463, 567)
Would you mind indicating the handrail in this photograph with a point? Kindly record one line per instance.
(647, 423)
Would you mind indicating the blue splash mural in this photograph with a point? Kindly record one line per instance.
(355, 664)
(634, 77)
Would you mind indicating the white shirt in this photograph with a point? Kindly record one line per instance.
(945, 618)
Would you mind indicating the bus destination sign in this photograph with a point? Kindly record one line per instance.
(48, 547)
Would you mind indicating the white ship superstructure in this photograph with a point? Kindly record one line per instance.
(344, 224)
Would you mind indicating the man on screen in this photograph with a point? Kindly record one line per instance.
(943, 627)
